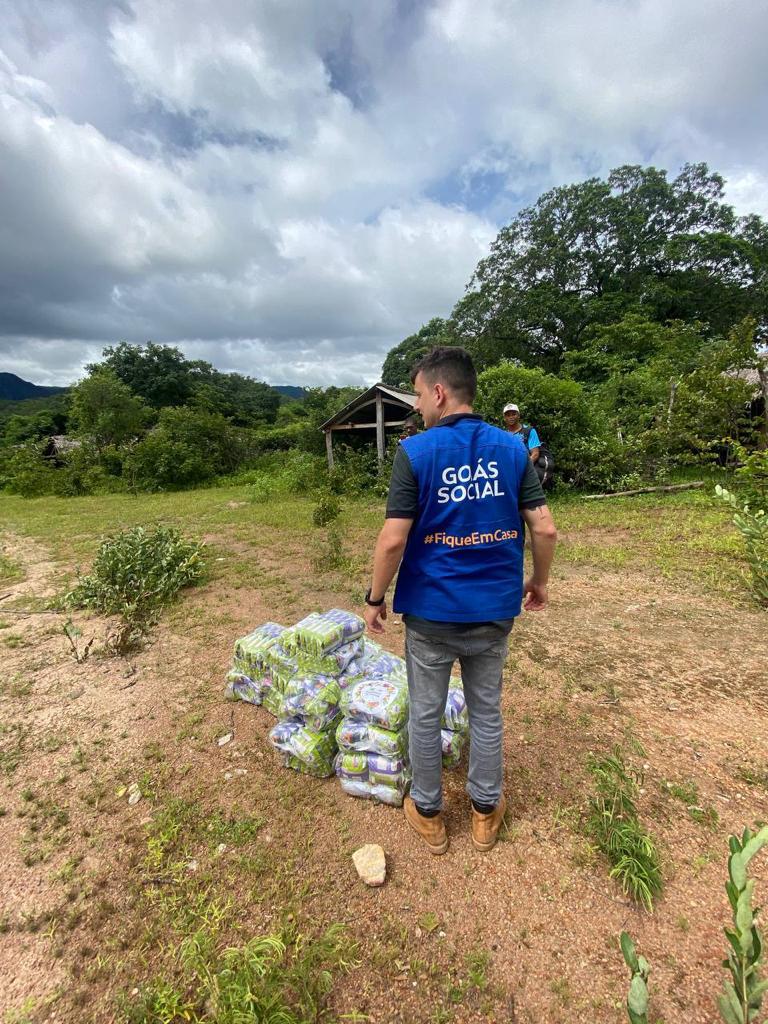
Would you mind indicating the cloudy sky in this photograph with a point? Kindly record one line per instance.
(289, 187)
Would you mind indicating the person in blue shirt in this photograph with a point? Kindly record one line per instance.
(459, 495)
(539, 454)
(515, 426)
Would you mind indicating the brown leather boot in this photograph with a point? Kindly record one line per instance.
(485, 827)
(431, 830)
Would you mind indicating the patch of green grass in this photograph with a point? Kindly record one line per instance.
(47, 827)
(753, 775)
(283, 978)
(614, 825)
(705, 816)
(429, 921)
(13, 737)
(687, 792)
(9, 569)
(16, 686)
(683, 537)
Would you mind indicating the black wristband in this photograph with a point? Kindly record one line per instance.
(373, 604)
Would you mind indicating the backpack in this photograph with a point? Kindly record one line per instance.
(545, 464)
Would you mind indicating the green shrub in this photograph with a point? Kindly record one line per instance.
(327, 510)
(292, 473)
(753, 527)
(752, 476)
(586, 452)
(357, 470)
(135, 574)
(26, 472)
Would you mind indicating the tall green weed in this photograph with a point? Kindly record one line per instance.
(135, 574)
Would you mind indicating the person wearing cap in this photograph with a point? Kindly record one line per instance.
(515, 426)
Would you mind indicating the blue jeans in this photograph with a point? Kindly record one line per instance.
(481, 652)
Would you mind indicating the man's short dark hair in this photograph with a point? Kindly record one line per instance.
(452, 366)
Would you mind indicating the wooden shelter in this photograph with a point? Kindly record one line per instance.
(380, 407)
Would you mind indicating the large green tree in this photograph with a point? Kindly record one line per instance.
(397, 366)
(595, 252)
(105, 409)
(163, 377)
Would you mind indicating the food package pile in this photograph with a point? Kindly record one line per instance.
(318, 654)
(251, 674)
(373, 734)
(341, 702)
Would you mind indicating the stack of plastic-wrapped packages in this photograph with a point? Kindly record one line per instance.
(318, 654)
(251, 675)
(331, 690)
(455, 724)
(373, 734)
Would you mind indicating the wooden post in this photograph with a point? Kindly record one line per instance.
(329, 447)
(380, 438)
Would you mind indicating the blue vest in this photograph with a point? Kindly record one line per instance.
(464, 558)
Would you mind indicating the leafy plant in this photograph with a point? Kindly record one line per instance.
(637, 998)
(328, 509)
(753, 527)
(273, 979)
(614, 825)
(743, 996)
(73, 634)
(752, 475)
(135, 574)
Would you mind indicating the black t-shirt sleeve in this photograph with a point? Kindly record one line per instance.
(403, 497)
(531, 492)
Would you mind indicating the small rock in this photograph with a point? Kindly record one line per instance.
(226, 738)
(192, 865)
(241, 771)
(227, 776)
(134, 798)
(371, 864)
(221, 848)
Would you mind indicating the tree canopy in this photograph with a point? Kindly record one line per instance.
(163, 377)
(592, 253)
(397, 366)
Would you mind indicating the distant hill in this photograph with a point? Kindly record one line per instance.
(289, 390)
(14, 389)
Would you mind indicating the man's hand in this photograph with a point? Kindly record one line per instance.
(374, 616)
(536, 596)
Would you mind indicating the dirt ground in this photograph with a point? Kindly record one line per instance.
(618, 658)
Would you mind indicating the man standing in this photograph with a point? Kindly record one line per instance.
(528, 434)
(539, 454)
(458, 493)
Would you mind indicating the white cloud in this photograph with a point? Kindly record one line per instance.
(278, 183)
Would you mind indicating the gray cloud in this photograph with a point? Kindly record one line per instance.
(287, 188)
